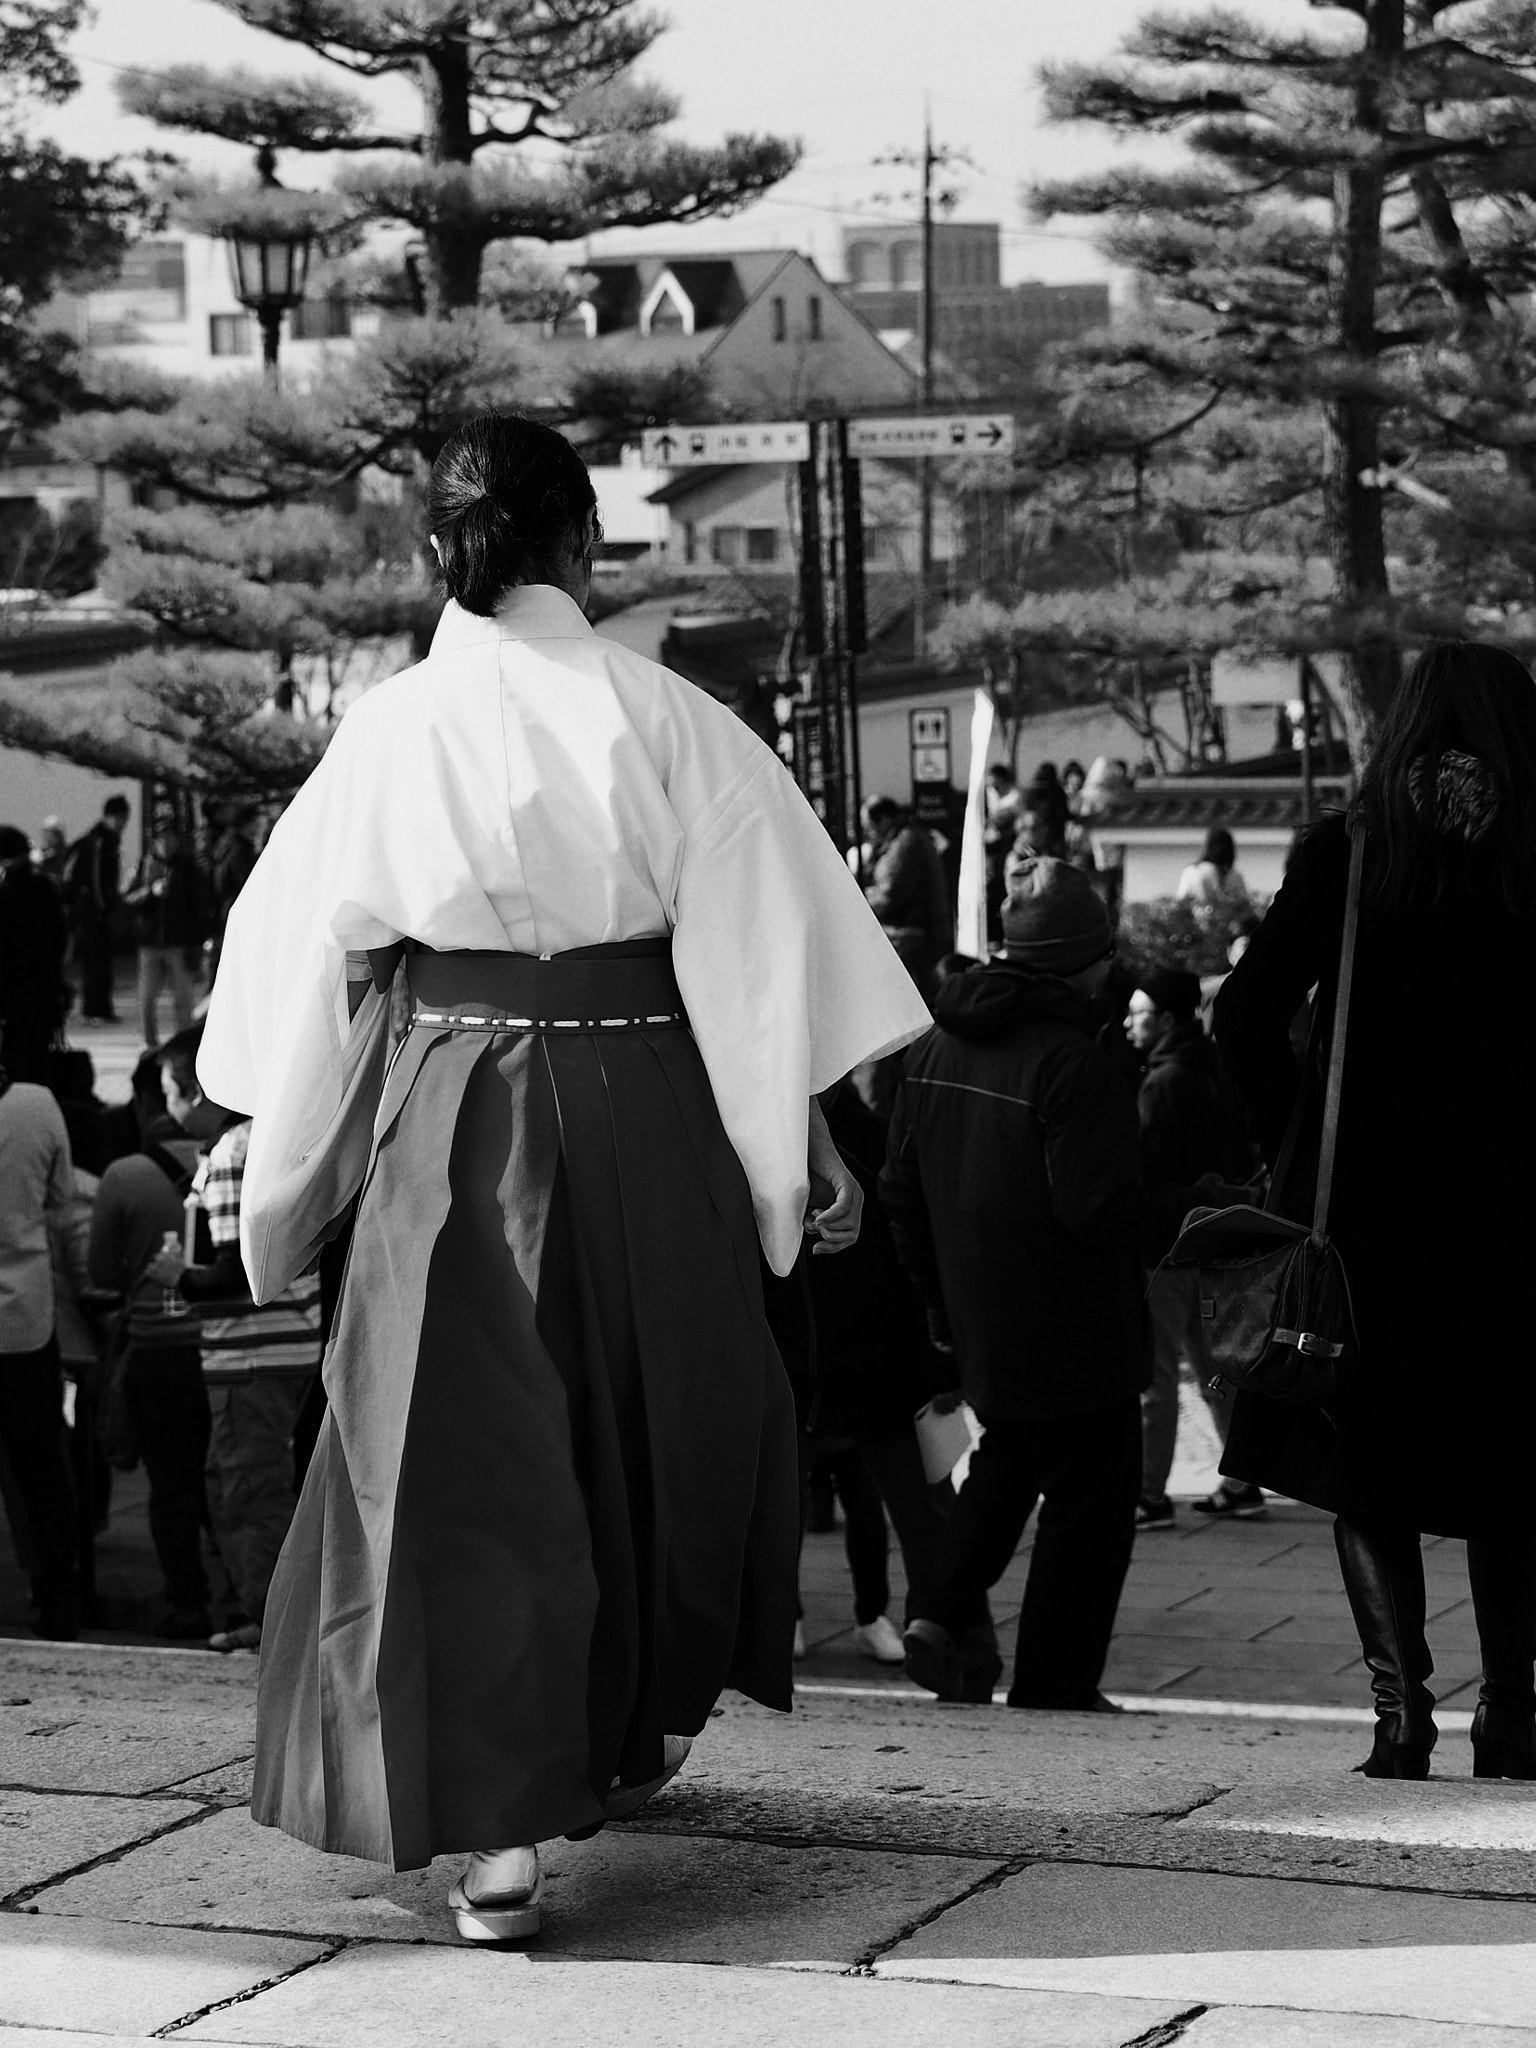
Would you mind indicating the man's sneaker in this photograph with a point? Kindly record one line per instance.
(1238, 1503)
(1154, 1514)
(878, 1639)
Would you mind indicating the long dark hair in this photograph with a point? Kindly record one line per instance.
(508, 499)
(1461, 698)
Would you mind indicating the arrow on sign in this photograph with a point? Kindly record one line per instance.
(665, 443)
(991, 433)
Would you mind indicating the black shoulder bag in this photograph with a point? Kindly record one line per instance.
(1275, 1308)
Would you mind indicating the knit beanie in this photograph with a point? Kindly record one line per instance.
(1054, 920)
(1172, 989)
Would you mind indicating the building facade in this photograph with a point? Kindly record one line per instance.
(989, 330)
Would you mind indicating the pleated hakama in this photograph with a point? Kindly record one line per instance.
(552, 1511)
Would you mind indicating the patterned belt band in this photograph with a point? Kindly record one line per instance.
(470, 1020)
(629, 986)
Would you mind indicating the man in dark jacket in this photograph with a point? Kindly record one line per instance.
(1013, 1186)
(1187, 1115)
(172, 915)
(906, 889)
(33, 997)
(93, 885)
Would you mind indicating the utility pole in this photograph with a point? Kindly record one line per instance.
(932, 158)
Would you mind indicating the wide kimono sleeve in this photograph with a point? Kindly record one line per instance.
(788, 980)
(277, 1040)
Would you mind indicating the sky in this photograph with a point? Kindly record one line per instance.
(848, 77)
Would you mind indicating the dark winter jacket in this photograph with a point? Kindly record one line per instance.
(93, 875)
(908, 893)
(1013, 1186)
(1179, 1103)
(33, 936)
(875, 1365)
(170, 902)
(1434, 1203)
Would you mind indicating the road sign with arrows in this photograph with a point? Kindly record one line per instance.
(757, 441)
(908, 435)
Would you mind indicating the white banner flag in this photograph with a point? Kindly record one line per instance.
(971, 913)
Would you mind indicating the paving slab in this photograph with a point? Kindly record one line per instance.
(663, 1898)
(1440, 1813)
(43, 1835)
(426, 1996)
(50, 2037)
(119, 1721)
(1232, 2026)
(1236, 1941)
(101, 1978)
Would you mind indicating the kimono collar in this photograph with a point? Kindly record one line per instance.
(530, 611)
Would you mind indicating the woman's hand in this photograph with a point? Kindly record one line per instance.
(837, 1201)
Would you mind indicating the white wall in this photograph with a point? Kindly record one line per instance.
(33, 788)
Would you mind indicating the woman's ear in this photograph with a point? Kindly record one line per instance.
(437, 546)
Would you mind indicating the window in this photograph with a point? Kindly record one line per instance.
(864, 264)
(229, 334)
(906, 266)
(780, 320)
(327, 319)
(667, 316)
(762, 543)
(725, 545)
(690, 542)
(813, 316)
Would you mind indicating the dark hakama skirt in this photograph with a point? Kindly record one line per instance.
(552, 1510)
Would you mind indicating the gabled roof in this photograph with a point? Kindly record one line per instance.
(718, 286)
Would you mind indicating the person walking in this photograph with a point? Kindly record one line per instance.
(906, 889)
(169, 900)
(93, 888)
(876, 1366)
(1183, 1107)
(1013, 1187)
(140, 1201)
(553, 1506)
(258, 1360)
(33, 994)
(36, 1189)
(1434, 1205)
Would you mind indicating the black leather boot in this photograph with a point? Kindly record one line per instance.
(1384, 1578)
(1502, 1573)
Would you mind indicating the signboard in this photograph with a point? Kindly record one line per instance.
(928, 737)
(972, 433)
(756, 441)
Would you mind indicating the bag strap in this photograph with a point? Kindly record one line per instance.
(1287, 1153)
(1340, 1028)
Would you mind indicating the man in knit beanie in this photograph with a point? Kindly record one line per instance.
(1013, 1186)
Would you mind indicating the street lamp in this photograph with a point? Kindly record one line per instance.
(269, 262)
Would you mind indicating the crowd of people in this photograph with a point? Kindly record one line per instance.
(128, 1334)
(660, 1170)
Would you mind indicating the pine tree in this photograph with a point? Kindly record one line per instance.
(62, 217)
(503, 85)
(1348, 248)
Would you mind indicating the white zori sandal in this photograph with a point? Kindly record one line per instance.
(498, 1897)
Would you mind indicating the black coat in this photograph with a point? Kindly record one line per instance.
(875, 1365)
(1434, 1208)
(33, 936)
(1013, 1185)
(1179, 1102)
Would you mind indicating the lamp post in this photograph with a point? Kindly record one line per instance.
(269, 264)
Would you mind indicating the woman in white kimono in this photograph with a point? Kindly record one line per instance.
(553, 1508)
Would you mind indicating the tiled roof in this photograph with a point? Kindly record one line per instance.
(1231, 802)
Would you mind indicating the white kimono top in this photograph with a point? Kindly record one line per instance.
(530, 788)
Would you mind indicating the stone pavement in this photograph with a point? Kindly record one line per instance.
(874, 1870)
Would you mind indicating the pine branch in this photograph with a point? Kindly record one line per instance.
(238, 105)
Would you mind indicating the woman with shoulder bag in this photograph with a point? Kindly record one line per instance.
(1434, 1206)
